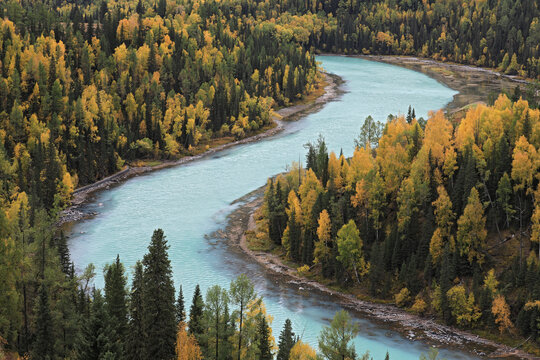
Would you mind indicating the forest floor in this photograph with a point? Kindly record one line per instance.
(326, 90)
(241, 223)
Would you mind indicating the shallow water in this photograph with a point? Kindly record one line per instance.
(191, 201)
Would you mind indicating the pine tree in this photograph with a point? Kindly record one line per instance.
(286, 341)
(263, 333)
(196, 313)
(180, 307)
(158, 300)
(43, 347)
(136, 338)
(97, 334)
(63, 252)
(116, 300)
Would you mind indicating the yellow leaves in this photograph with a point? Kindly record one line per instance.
(501, 312)
(402, 298)
(525, 165)
(186, 345)
(444, 217)
(19, 204)
(324, 234)
(392, 154)
(360, 165)
(438, 137)
(324, 228)
(302, 351)
(419, 306)
(464, 309)
(490, 281)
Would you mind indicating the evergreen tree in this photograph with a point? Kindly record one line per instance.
(97, 334)
(43, 347)
(159, 320)
(63, 253)
(286, 341)
(263, 334)
(196, 313)
(116, 300)
(136, 337)
(180, 307)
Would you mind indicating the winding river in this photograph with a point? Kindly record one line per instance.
(191, 201)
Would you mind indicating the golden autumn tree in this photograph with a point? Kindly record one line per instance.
(444, 217)
(302, 351)
(186, 345)
(501, 312)
(322, 250)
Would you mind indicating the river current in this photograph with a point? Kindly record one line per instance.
(192, 201)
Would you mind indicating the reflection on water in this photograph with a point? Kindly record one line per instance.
(193, 200)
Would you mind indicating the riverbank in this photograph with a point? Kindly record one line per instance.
(474, 84)
(331, 90)
(416, 328)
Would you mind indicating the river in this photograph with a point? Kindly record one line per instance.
(190, 202)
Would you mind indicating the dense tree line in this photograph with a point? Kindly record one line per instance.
(73, 320)
(442, 217)
(84, 88)
(502, 34)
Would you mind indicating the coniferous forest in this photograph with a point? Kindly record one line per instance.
(441, 218)
(444, 214)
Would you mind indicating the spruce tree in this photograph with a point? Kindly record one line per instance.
(196, 320)
(159, 321)
(263, 333)
(286, 341)
(180, 307)
(116, 299)
(63, 253)
(136, 338)
(96, 340)
(43, 347)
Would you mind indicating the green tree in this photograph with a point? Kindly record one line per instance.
(370, 132)
(196, 315)
(116, 299)
(158, 300)
(136, 337)
(471, 233)
(217, 300)
(43, 347)
(242, 293)
(350, 250)
(263, 335)
(286, 341)
(335, 340)
(180, 307)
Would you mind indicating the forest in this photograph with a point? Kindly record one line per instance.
(441, 218)
(88, 87)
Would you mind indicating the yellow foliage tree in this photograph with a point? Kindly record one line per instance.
(186, 345)
(302, 351)
(501, 312)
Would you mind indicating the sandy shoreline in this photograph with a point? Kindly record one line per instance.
(411, 326)
(76, 212)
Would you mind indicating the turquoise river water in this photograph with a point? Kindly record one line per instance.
(192, 201)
